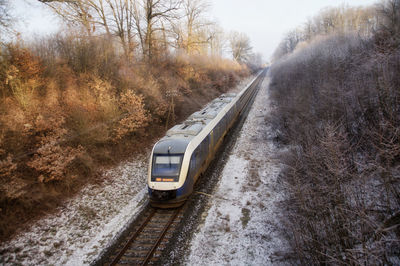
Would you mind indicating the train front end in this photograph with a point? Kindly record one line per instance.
(167, 174)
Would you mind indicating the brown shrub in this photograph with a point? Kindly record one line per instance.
(91, 109)
(134, 117)
(51, 157)
(52, 161)
(7, 167)
(23, 76)
(28, 66)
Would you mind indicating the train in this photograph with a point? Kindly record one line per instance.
(184, 153)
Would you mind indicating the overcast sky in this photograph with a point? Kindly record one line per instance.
(264, 21)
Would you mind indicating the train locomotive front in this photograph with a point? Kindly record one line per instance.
(166, 173)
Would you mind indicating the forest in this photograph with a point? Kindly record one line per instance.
(106, 86)
(335, 84)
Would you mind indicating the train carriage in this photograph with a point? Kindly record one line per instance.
(180, 157)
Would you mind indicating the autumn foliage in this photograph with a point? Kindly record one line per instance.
(134, 115)
(69, 103)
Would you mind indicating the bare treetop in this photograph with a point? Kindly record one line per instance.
(240, 47)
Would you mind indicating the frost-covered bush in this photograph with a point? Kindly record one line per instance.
(337, 104)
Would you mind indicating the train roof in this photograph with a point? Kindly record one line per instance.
(197, 121)
(180, 135)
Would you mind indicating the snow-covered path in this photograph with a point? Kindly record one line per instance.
(240, 226)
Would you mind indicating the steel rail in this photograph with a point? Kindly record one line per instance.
(134, 236)
(161, 237)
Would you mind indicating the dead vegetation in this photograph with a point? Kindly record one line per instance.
(337, 106)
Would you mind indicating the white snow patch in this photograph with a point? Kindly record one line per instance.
(240, 227)
(80, 230)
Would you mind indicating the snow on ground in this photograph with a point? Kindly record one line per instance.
(86, 224)
(240, 226)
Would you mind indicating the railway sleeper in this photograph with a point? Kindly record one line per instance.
(146, 247)
(139, 253)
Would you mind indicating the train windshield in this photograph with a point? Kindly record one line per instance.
(167, 165)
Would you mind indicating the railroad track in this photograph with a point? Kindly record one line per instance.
(143, 245)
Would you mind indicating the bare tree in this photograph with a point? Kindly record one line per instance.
(156, 14)
(73, 12)
(5, 17)
(343, 19)
(255, 61)
(240, 46)
(99, 8)
(70, 10)
(191, 34)
(293, 38)
(111, 17)
(390, 13)
(124, 23)
(4, 14)
(216, 39)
